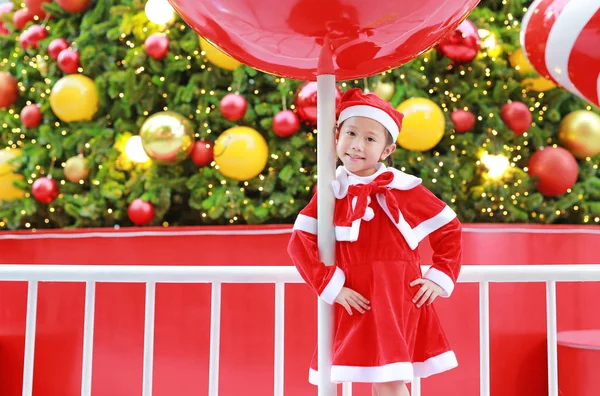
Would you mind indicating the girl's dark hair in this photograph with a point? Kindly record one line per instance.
(389, 140)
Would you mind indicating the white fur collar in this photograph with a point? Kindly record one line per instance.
(345, 179)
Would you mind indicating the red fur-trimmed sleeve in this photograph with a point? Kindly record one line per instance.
(326, 281)
(427, 215)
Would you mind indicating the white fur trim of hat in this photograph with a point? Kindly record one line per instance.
(373, 113)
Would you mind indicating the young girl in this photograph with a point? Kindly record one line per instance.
(386, 332)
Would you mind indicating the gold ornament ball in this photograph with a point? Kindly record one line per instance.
(241, 153)
(385, 90)
(8, 176)
(167, 137)
(218, 57)
(76, 169)
(579, 132)
(74, 98)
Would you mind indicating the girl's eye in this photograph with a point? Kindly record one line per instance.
(350, 133)
(370, 139)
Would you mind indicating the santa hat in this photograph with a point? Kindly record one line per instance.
(357, 103)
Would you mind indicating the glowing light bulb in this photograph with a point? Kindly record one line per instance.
(489, 43)
(159, 12)
(135, 151)
(496, 164)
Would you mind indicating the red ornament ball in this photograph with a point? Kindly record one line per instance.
(57, 46)
(21, 17)
(233, 107)
(24, 39)
(45, 189)
(306, 102)
(74, 6)
(286, 123)
(32, 36)
(464, 121)
(4, 9)
(517, 117)
(31, 116)
(35, 7)
(140, 212)
(202, 153)
(556, 170)
(9, 90)
(462, 45)
(157, 46)
(68, 61)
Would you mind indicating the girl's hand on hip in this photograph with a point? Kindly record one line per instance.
(428, 292)
(349, 299)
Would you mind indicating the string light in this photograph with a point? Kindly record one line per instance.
(159, 12)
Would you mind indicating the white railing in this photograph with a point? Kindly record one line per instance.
(150, 275)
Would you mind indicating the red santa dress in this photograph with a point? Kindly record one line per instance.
(379, 221)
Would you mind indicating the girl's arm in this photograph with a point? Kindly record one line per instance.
(326, 281)
(427, 215)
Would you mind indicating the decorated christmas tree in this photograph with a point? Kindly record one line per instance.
(117, 113)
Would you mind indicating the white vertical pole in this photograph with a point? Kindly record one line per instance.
(347, 389)
(88, 339)
(215, 340)
(279, 337)
(416, 387)
(148, 339)
(484, 339)
(32, 293)
(326, 91)
(552, 345)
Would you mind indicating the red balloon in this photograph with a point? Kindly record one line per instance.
(306, 102)
(35, 7)
(21, 18)
(464, 121)
(31, 116)
(35, 34)
(45, 189)
(140, 212)
(517, 117)
(233, 107)
(157, 46)
(4, 9)
(202, 153)
(556, 170)
(9, 90)
(303, 38)
(462, 45)
(74, 6)
(68, 61)
(286, 123)
(561, 40)
(56, 46)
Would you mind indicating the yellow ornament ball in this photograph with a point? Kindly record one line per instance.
(74, 98)
(539, 84)
(241, 153)
(218, 57)
(423, 124)
(7, 176)
(579, 132)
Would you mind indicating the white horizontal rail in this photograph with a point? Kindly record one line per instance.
(274, 274)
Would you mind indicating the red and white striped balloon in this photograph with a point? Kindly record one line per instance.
(561, 40)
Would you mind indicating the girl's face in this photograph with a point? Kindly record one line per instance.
(361, 143)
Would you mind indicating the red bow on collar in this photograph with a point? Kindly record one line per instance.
(363, 191)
